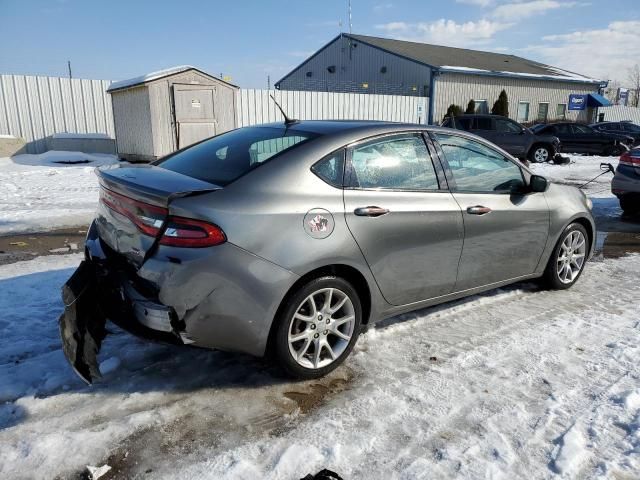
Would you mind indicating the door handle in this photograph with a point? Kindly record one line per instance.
(370, 211)
(478, 210)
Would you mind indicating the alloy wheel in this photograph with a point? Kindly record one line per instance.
(321, 328)
(571, 256)
(541, 155)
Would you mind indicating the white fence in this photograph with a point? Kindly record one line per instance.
(618, 113)
(33, 108)
(256, 106)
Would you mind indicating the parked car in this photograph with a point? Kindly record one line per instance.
(579, 138)
(626, 181)
(623, 128)
(516, 139)
(289, 239)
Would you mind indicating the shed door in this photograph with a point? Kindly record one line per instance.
(195, 116)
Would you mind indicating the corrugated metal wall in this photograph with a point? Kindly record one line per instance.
(618, 113)
(358, 68)
(255, 106)
(33, 108)
(460, 88)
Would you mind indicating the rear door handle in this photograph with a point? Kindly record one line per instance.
(478, 210)
(370, 211)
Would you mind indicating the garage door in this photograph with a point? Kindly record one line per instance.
(195, 116)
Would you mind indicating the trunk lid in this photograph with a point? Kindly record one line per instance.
(134, 205)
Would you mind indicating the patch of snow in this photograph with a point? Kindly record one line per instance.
(40, 193)
(129, 82)
(527, 383)
(96, 472)
(571, 452)
(554, 73)
(7, 136)
(100, 136)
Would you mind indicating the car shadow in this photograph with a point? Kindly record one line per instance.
(32, 363)
(609, 216)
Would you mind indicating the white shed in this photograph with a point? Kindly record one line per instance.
(160, 112)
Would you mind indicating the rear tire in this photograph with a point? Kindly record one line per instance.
(317, 327)
(568, 258)
(540, 154)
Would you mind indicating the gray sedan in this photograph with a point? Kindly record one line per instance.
(290, 239)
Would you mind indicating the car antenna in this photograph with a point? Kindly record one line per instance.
(287, 120)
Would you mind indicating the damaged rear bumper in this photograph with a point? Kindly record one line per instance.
(96, 292)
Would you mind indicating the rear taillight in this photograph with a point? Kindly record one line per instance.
(187, 232)
(631, 159)
(150, 219)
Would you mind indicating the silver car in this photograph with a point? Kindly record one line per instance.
(290, 239)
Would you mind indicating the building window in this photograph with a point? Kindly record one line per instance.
(523, 111)
(482, 106)
(543, 112)
(561, 111)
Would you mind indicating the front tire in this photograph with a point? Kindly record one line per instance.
(540, 154)
(317, 327)
(568, 258)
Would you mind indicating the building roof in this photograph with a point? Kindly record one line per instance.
(149, 77)
(463, 60)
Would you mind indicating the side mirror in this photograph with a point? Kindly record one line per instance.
(538, 183)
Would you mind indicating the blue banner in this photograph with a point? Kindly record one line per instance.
(578, 101)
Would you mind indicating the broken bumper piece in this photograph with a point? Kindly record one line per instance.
(82, 325)
(97, 292)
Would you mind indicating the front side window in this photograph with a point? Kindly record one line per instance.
(224, 158)
(561, 110)
(399, 163)
(523, 112)
(582, 129)
(562, 129)
(477, 168)
(507, 126)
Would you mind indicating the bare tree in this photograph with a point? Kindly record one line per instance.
(611, 92)
(634, 84)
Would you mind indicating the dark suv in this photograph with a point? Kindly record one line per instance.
(625, 128)
(508, 135)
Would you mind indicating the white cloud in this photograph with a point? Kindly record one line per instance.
(381, 7)
(479, 3)
(518, 10)
(445, 32)
(605, 53)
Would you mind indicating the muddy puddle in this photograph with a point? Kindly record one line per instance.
(616, 244)
(25, 246)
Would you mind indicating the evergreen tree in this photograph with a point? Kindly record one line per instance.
(501, 107)
(471, 106)
(453, 111)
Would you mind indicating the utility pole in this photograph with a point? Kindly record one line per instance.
(69, 68)
(349, 16)
(268, 82)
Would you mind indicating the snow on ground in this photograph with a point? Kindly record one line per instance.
(40, 193)
(516, 383)
(581, 169)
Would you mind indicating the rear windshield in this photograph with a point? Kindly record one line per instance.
(222, 159)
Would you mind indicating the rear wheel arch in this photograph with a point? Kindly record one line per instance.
(346, 272)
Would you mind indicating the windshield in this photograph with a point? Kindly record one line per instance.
(222, 159)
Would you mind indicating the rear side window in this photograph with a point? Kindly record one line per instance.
(331, 169)
(224, 158)
(483, 123)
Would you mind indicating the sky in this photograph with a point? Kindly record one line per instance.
(251, 41)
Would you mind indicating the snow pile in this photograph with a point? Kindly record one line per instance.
(129, 82)
(516, 383)
(41, 192)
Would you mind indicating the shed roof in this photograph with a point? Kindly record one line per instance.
(149, 77)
